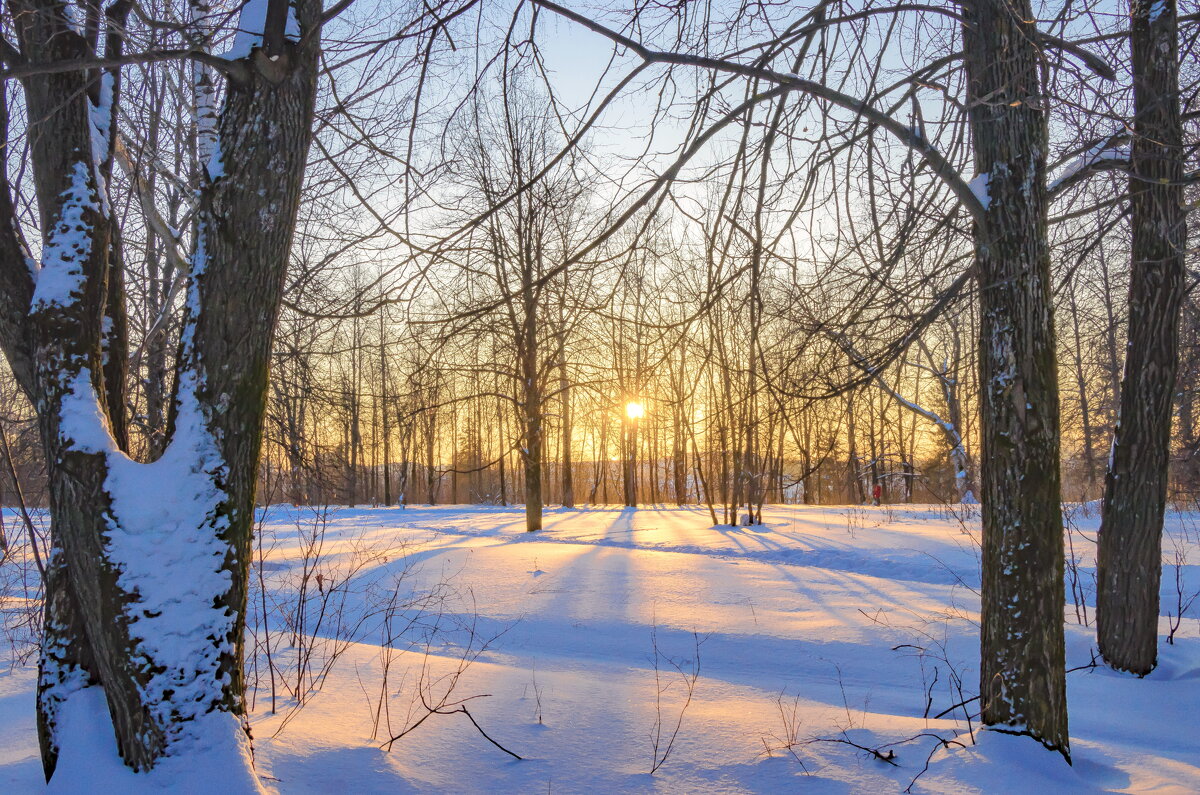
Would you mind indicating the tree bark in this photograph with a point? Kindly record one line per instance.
(630, 464)
(101, 616)
(1129, 554)
(431, 477)
(531, 401)
(564, 395)
(1022, 670)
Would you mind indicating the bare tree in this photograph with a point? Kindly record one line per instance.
(1129, 555)
(107, 593)
(1023, 669)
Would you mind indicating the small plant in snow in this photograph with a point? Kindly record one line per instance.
(790, 723)
(537, 695)
(22, 570)
(1184, 597)
(302, 621)
(1080, 585)
(436, 694)
(20, 601)
(687, 672)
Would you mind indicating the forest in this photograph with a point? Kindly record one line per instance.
(347, 337)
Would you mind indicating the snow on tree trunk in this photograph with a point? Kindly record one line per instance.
(146, 584)
(1129, 555)
(1022, 670)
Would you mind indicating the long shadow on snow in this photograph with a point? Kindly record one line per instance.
(915, 566)
(818, 670)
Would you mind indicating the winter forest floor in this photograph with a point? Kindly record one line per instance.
(824, 633)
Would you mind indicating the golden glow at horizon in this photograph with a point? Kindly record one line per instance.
(634, 410)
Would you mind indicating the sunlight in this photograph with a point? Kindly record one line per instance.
(875, 463)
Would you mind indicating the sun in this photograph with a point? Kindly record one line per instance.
(635, 411)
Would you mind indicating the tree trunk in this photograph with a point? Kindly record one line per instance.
(854, 485)
(1129, 555)
(132, 567)
(679, 455)
(630, 472)
(531, 453)
(1085, 409)
(1022, 671)
(431, 479)
(503, 452)
(384, 403)
(564, 388)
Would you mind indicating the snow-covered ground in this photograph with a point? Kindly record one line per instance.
(826, 632)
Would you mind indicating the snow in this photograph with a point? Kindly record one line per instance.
(76, 18)
(92, 755)
(162, 525)
(826, 625)
(68, 247)
(251, 22)
(1098, 153)
(165, 513)
(101, 117)
(216, 161)
(980, 186)
(162, 540)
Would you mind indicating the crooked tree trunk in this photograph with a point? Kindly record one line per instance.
(949, 429)
(131, 564)
(1129, 554)
(958, 448)
(1022, 671)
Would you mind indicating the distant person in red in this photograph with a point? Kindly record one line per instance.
(876, 494)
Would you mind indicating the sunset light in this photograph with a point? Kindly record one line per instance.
(330, 332)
